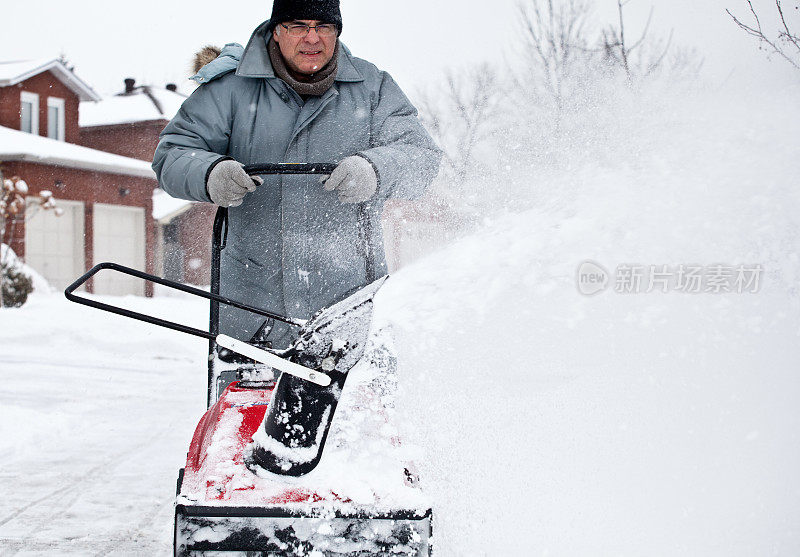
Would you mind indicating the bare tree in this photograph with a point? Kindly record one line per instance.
(785, 44)
(460, 114)
(644, 56)
(563, 54)
(556, 49)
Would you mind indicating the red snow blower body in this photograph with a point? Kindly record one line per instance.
(251, 483)
(223, 506)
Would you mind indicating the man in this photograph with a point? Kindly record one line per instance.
(296, 95)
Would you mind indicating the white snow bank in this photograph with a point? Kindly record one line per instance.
(620, 424)
(40, 284)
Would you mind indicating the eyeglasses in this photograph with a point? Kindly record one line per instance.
(301, 29)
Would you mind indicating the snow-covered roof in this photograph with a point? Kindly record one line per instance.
(145, 103)
(20, 146)
(15, 72)
(166, 207)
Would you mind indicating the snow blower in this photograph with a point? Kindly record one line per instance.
(242, 489)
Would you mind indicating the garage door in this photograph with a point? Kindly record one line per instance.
(53, 244)
(118, 237)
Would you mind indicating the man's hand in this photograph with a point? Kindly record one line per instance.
(228, 183)
(354, 180)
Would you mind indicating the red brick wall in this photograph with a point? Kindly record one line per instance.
(196, 227)
(83, 185)
(9, 107)
(46, 84)
(137, 140)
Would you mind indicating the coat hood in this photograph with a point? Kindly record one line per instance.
(205, 56)
(212, 62)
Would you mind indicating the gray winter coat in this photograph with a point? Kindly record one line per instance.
(292, 247)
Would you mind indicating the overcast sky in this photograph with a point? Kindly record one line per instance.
(153, 41)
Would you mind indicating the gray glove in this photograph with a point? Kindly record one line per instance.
(354, 180)
(228, 183)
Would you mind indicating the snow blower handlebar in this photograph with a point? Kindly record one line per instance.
(70, 294)
(272, 359)
(290, 168)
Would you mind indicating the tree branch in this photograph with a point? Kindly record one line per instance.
(787, 34)
(622, 50)
(644, 33)
(654, 65)
(759, 34)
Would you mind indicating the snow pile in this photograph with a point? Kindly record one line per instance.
(365, 441)
(8, 257)
(621, 423)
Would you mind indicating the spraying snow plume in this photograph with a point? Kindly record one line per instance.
(649, 418)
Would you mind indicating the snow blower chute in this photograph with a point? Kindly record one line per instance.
(242, 488)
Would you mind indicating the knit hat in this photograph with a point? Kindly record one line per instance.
(326, 11)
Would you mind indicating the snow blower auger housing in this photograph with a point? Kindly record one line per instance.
(242, 488)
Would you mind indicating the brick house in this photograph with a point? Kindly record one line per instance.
(107, 198)
(128, 124)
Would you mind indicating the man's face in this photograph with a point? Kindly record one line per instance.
(306, 55)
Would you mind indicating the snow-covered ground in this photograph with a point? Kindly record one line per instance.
(548, 422)
(96, 416)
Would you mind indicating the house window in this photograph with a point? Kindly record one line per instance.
(29, 112)
(55, 118)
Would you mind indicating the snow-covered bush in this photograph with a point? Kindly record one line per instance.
(16, 285)
(15, 280)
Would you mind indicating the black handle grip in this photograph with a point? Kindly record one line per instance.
(290, 168)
